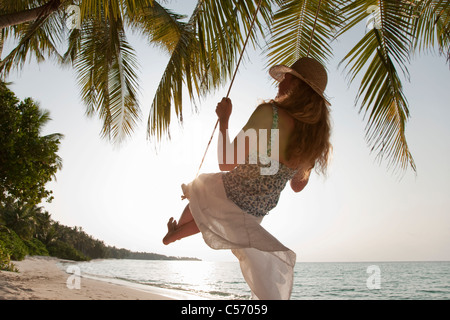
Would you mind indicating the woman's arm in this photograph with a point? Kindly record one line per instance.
(300, 180)
(223, 112)
(228, 154)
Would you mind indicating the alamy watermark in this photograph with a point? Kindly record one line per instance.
(259, 153)
(74, 17)
(374, 280)
(73, 281)
(374, 20)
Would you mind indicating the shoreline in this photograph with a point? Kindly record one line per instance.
(44, 278)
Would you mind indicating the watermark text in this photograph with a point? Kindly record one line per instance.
(74, 17)
(74, 281)
(374, 20)
(259, 153)
(374, 280)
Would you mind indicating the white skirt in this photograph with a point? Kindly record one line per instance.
(266, 264)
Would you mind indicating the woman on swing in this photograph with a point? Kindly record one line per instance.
(228, 207)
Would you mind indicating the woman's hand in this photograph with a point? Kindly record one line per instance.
(223, 109)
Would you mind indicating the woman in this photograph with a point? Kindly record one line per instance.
(228, 207)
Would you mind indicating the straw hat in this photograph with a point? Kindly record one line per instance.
(311, 71)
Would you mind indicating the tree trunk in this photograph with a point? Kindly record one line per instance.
(1, 43)
(12, 19)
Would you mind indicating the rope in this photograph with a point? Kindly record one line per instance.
(231, 84)
(314, 27)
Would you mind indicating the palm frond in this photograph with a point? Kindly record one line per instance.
(171, 86)
(432, 26)
(292, 31)
(381, 92)
(20, 5)
(159, 25)
(107, 77)
(39, 39)
(107, 9)
(204, 55)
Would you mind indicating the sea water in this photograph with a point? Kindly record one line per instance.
(313, 281)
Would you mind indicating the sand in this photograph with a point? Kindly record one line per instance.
(41, 278)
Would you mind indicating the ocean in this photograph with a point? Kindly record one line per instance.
(312, 281)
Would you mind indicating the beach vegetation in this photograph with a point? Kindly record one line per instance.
(5, 260)
(12, 243)
(63, 250)
(36, 247)
(28, 159)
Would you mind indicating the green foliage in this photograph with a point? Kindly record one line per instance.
(28, 160)
(380, 54)
(80, 240)
(292, 34)
(64, 250)
(203, 52)
(153, 256)
(5, 260)
(13, 244)
(36, 248)
(20, 218)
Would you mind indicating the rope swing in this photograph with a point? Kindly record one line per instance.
(231, 84)
(237, 67)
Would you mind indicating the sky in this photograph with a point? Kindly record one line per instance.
(361, 211)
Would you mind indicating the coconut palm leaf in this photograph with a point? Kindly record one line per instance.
(432, 26)
(292, 30)
(166, 30)
(115, 9)
(204, 55)
(106, 68)
(381, 52)
(13, 13)
(111, 89)
(38, 38)
(159, 25)
(16, 6)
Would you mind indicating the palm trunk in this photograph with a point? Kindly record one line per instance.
(12, 19)
(1, 43)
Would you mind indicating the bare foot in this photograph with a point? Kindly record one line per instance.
(171, 227)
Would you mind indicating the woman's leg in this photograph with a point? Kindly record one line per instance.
(186, 216)
(186, 227)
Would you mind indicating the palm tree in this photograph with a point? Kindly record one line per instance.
(17, 12)
(99, 52)
(403, 27)
(43, 226)
(20, 218)
(203, 53)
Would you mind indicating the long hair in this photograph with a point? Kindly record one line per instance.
(309, 146)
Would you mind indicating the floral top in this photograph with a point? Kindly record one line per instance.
(253, 192)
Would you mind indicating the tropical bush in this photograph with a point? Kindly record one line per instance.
(13, 244)
(62, 250)
(5, 260)
(36, 247)
(25, 181)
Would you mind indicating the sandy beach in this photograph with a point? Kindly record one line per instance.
(40, 278)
